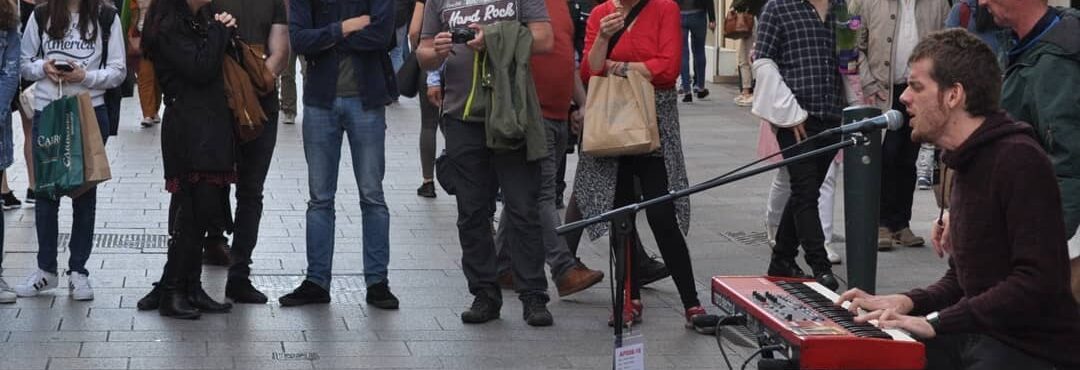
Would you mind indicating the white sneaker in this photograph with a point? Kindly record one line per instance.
(79, 285)
(37, 282)
(834, 258)
(7, 295)
(744, 100)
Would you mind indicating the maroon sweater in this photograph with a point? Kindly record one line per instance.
(1008, 272)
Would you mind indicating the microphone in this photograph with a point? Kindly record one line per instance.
(892, 120)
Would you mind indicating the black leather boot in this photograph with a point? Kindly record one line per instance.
(151, 300)
(174, 302)
(172, 287)
(202, 301)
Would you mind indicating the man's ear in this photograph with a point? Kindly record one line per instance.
(956, 97)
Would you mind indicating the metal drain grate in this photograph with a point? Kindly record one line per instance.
(143, 242)
(757, 238)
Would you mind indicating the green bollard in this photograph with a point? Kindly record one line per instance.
(862, 200)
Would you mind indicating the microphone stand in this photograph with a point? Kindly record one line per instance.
(622, 218)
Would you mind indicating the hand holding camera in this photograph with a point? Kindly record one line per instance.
(477, 40)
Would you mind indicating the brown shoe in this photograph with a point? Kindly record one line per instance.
(506, 280)
(576, 279)
(885, 239)
(216, 252)
(906, 238)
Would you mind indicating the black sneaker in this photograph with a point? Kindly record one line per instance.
(701, 94)
(827, 279)
(652, 270)
(241, 291)
(688, 98)
(30, 196)
(535, 310)
(379, 295)
(484, 308)
(307, 293)
(786, 269)
(427, 190)
(10, 201)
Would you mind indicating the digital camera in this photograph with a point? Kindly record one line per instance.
(461, 35)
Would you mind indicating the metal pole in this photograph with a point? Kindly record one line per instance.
(862, 199)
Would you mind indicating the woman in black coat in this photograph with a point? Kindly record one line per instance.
(187, 42)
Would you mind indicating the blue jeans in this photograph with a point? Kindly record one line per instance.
(398, 53)
(46, 217)
(694, 27)
(323, 131)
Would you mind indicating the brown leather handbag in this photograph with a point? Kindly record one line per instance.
(738, 25)
(247, 79)
(254, 63)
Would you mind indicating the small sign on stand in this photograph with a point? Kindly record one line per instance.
(630, 352)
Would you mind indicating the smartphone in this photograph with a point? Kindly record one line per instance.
(64, 67)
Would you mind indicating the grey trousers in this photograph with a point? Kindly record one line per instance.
(478, 172)
(559, 258)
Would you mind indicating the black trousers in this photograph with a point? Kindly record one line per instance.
(898, 155)
(652, 175)
(252, 166)
(477, 174)
(193, 210)
(978, 352)
(800, 223)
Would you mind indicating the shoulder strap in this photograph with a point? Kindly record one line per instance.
(106, 17)
(41, 18)
(626, 24)
(965, 14)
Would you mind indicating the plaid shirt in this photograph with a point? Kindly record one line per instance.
(791, 33)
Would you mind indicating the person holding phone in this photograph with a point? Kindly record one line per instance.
(66, 55)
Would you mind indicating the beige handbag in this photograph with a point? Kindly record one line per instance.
(620, 117)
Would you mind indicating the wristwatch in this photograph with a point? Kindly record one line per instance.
(935, 320)
(624, 69)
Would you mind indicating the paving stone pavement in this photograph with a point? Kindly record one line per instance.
(54, 332)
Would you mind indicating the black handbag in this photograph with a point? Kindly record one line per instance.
(408, 77)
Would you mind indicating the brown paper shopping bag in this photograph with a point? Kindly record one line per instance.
(620, 117)
(95, 161)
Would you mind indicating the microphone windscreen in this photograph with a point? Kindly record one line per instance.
(895, 120)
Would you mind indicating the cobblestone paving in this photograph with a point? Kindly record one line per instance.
(54, 332)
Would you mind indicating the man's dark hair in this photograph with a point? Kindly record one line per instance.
(961, 57)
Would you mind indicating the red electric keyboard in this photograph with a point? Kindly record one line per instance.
(800, 317)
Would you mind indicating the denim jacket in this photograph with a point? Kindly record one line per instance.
(315, 32)
(10, 43)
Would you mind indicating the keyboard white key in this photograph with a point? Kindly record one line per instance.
(897, 334)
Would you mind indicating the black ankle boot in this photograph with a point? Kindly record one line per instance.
(202, 301)
(174, 303)
(151, 300)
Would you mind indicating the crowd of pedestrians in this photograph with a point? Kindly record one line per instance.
(506, 82)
